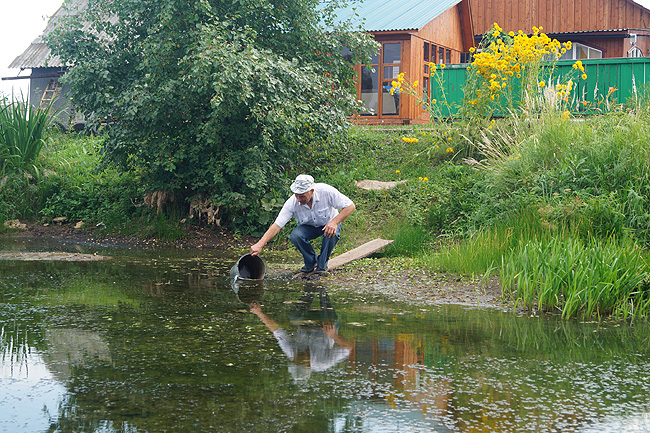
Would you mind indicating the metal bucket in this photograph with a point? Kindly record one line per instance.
(248, 268)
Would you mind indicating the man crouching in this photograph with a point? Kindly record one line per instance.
(316, 208)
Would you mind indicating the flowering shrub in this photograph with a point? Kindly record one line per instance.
(510, 71)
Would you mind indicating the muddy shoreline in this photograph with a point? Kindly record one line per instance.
(397, 278)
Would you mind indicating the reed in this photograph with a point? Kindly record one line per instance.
(482, 251)
(22, 135)
(579, 278)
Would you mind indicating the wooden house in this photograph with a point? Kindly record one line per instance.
(597, 28)
(412, 34)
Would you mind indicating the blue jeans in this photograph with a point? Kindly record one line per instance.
(300, 237)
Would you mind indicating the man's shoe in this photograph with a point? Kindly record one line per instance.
(307, 269)
(320, 271)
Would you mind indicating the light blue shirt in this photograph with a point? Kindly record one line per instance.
(325, 204)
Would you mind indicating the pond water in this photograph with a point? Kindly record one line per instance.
(161, 341)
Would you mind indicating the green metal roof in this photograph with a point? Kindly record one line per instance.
(386, 15)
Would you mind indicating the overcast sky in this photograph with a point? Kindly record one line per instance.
(21, 21)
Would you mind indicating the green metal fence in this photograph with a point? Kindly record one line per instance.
(627, 75)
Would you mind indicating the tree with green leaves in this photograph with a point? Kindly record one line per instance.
(217, 98)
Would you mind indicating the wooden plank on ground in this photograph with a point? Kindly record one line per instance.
(358, 253)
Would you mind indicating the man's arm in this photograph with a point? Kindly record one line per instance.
(330, 228)
(270, 234)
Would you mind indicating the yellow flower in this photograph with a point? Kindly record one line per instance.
(425, 179)
(442, 66)
(432, 67)
(472, 49)
(584, 76)
(420, 178)
(542, 84)
(565, 115)
(396, 171)
(433, 101)
(450, 150)
(512, 34)
(415, 83)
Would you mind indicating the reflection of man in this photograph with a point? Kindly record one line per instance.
(316, 344)
(316, 208)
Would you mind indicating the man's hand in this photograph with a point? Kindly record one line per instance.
(256, 248)
(329, 229)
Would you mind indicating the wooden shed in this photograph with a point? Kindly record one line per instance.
(412, 34)
(46, 69)
(597, 28)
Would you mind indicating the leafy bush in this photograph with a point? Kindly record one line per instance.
(213, 98)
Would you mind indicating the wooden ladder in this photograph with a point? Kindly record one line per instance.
(49, 94)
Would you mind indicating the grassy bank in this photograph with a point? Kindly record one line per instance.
(557, 207)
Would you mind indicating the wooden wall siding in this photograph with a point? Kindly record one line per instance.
(445, 30)
(558, 15)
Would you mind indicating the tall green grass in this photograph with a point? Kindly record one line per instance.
(22, 135)
(481, 252)
(579, 278)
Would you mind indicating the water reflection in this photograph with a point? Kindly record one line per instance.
(315, 344)
(163, 342)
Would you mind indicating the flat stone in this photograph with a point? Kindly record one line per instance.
(15, 224)
(377, 184)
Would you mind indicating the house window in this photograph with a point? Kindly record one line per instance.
(347, 54)
(429, 54)
(376, 81)
(466, 58)
(581, 52)
(391, 60)
(634, 52)
(369, 85)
